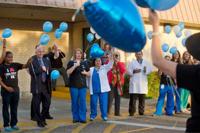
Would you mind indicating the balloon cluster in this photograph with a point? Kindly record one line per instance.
(48, 27)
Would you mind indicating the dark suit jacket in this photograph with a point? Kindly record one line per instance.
(36, 75)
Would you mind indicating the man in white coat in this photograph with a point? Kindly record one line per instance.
(138, 86)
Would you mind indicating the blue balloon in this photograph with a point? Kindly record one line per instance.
(7, 33)
(96, 51)
(165, 47)
(63, 26)
(58, 34)
(118, 22)
(149, 35)
(47, 26)
(44, 39)
(181, 25)
(179, 34)
(160, 5)
(90, 37)
(168, 29)
(184, 41)
(55, 74)
(173, 50)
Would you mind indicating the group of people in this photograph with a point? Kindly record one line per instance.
(39, 67)
(181, 102)
(104, 77)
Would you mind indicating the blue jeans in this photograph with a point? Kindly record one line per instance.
(170, 100)
(78, 101)
(103, 100)
(178, 99)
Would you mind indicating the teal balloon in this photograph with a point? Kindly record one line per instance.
(173, 50)
(63, 26)
(90, 37)
(168, 29)
(179, 34)
(181, 25)
(184, 41)
(7, 33)
(55, 74)
(165, 47)
(44, 39)
(118, 22)
(58, 34)
(47, 26)
(96, 51)
(160, 5)
(149, 35)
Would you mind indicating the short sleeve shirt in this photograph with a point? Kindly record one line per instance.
(9, 75)
(188, 76)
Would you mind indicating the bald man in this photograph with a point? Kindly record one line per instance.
(40, 69)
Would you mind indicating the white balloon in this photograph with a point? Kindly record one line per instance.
(177, 29)
(97, 36)
(187, 33)
(92, 30)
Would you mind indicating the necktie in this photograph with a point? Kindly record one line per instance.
(43, 73)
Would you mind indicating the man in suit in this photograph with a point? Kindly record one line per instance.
(40, 69)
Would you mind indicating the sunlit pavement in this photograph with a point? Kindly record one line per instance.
(62, 122)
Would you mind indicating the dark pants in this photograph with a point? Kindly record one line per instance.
(43, 106)
(10, 100)
(64, 74)
(45, 98)
(114, 94)
(132, 103)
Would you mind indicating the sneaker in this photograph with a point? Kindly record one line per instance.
(105, 118)
(8, 129)
(91, 119)
(15, 127)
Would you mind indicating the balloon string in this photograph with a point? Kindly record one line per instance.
(76, 13)
(90, 45)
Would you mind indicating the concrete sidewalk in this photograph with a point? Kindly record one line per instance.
(62, 122)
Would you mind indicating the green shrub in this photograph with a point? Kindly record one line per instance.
(153, 85)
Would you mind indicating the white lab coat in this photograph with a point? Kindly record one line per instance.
(138, 81)
(105, 87)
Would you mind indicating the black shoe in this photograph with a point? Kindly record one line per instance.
(44, 123)
(83, 122)
(131, 114)
(49, 117)
(117, 114)
(75, 121)
(141, 113)
(33, 119)
(40, 124)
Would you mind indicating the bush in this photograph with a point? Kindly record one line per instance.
(153, 85)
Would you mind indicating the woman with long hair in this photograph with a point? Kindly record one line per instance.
(177, 58)
(187, 60)
(77, 84)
